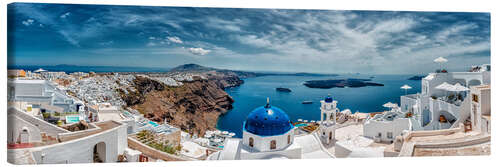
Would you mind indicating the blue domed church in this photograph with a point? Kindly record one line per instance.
(268, 133)
(267, 128)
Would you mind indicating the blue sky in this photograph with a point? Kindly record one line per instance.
(324, 41)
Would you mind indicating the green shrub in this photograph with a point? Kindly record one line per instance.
(46, 115)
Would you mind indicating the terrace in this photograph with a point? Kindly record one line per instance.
(153, 140)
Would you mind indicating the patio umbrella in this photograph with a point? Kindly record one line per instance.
(299, 120)
(459, 88)
(40, 70)
(218, 132)
(406, 87)
(440, 60)
(306, 121)
(225, 132)
(232, 134)
(390, 105)
(445, 86)
(208, 135)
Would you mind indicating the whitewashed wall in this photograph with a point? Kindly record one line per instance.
(81, 150)
(262, 143)
(372, 128)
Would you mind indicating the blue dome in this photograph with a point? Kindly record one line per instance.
(267, 121)
(329, 99)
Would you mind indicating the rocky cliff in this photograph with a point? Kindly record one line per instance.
(194, 107)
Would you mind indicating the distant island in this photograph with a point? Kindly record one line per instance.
(416, 78)
(241, 74)
(281, 89)
(340, 83)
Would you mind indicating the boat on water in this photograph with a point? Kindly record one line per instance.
(281, 89)
(307, 102)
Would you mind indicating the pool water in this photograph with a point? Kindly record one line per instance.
(153, 123)
(301, 125)
(72, 119)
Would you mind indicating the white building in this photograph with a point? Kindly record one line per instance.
(432, 104)
(385, 127)
(34, 141)
(433, 108)
(480, 112)
(41, 91)
(328, 119)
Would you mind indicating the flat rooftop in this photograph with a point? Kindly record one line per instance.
(106, 125)
(481, 149)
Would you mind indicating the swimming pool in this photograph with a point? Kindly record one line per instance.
(72, 119)
(153, 123)
(301, 125)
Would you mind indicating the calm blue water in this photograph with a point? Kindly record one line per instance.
(254, 91)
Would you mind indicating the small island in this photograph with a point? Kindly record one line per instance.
(340, 83)
(281, 89)
(416, 78)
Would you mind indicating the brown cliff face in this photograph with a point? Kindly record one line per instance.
(226, 81)
(194, 107)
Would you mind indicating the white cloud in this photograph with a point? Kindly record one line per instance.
(174, 39)
(445, 34)
(28, 22)
(228, 25)
(199, 51)
(254, 41)
(152, 38)
(151, 44)
(65, 15)
(69, 38)
(394, 25)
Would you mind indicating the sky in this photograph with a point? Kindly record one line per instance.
(318, 41)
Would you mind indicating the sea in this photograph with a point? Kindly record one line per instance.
(255, 91)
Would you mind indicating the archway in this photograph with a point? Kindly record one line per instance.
(99, 152)
(24, 135)
(446, 116)
(250, 142)
(273, 145)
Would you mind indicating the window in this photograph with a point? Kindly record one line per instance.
(389, 135)
(379, 134)
(273, 144)
(289, 140)
(475, 98)
(250, 142)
